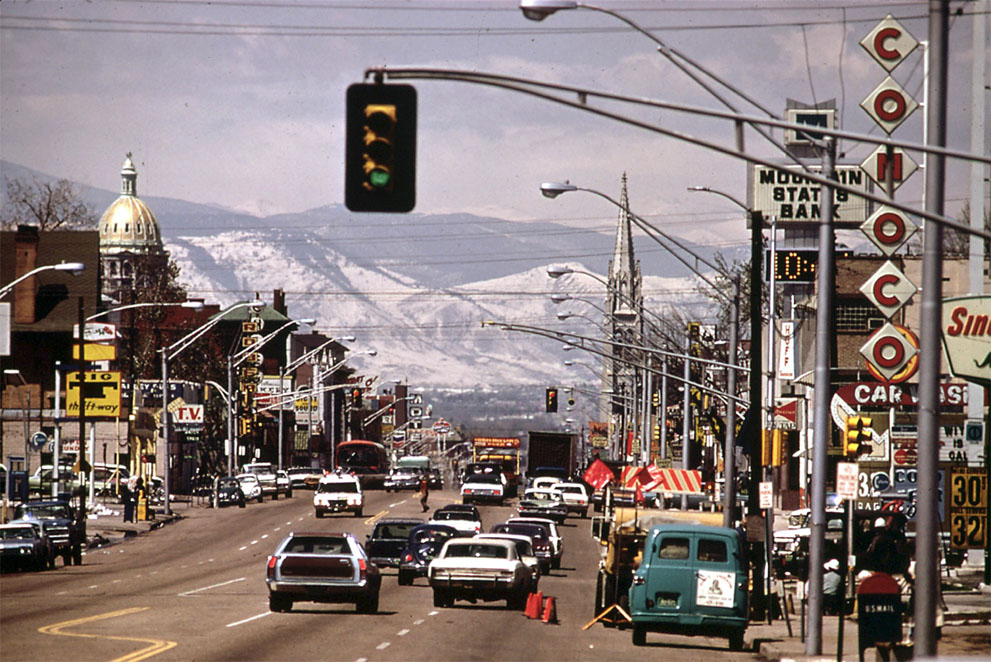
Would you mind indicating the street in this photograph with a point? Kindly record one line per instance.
(195, 590)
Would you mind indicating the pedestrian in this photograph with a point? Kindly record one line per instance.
(127, 498)
(832, 582)
(424, 492)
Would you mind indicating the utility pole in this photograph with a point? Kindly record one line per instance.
(754, 518)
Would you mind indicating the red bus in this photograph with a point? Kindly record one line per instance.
(366, 459)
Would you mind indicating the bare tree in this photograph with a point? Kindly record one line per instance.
(51, 205)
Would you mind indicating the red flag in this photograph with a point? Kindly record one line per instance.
(638, 497)
(598, 474)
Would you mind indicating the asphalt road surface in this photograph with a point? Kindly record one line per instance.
(195, 590)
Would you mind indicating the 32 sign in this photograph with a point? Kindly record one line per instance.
(968, 508)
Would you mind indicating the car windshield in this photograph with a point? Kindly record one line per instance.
(571, 489)
(317, 545)
(247, 479)
(337, 487)
(431, 536)
(17, 533)
(448, 515)
(228, 482)
(477, 550)
(300, 472)
(49, 511)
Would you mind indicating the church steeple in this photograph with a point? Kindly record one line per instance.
(624, 270)
(129, 178)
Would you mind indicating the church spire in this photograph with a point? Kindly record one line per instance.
(624, 271)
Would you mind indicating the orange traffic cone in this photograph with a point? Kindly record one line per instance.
(534, 605)
(550, 611)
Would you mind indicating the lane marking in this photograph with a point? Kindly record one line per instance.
(207, 588)
(248, 620)
(157, 645)
(383, 645)
(418, 621)
(264, 536)
(377, 516)
(241, 549)
(433, 613)
(398, 503)
(402, 633)
(362, 659)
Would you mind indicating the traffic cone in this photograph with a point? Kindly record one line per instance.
(550, 611)
(534, 605)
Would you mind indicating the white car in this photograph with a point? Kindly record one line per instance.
(462, 520)
(544, 482)
(557, 542)
(574, 496)
(266, 477)
(283, 483)
(250, 486)
(337, 492)
(524, 549)
(472, 569)
(482, 488)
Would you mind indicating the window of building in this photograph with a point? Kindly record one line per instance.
(858, 317)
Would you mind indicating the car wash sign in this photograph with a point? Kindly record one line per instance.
(794, 199)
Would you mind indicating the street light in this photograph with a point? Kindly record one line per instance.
(193, 305)
(169, 353)
(75, 268)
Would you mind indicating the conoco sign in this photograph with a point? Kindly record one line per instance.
(889, 104)
(876, 166)
(888, 351)
(888, 289)
(888, 229)
(889, 43)
(967, 337)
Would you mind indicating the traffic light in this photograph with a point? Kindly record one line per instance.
(857, 436)
(380, 155)
(356, 398)
(551, 400)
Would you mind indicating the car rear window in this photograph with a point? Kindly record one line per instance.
(712, 551)
(394, 530)
(315, 545)
(673, 548)
(448, 515)
(477, 550)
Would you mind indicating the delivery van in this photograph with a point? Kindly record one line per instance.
(692, 580)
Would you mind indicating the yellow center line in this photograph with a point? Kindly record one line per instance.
(157, 645)
(376, 517)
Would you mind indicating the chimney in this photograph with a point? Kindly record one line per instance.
(279, 301)
(25, 260)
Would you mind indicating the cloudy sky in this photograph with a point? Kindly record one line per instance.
(241, 103)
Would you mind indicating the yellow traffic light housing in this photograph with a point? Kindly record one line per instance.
(380, 155)
(551, 400)
(857, 436)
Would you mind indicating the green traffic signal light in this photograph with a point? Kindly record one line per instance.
(380, 155)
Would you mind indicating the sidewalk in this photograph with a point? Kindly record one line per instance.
(105, 524)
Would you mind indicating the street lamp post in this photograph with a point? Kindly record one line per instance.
(194, 305)
(169, 353)
(75, 268)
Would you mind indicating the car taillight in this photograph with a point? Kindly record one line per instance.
(270, 572)
(478, 528)
(362, 568)
(408, 557)
(467, 491)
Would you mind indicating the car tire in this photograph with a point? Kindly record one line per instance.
(242, 504)
(275, 495)
(289, 494)
(279, 603)
(639, 636)
(319, 514)
(598, 595)
(585, 514)
(66, 558)
(368, 604)
(441, 598)
(517, 602)
(358, 513)
(405, 578)
(260, 497)
(51, 562)
(556, 563)
(77, 555)
(736, 640)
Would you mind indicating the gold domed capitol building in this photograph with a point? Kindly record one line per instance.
(131, 248)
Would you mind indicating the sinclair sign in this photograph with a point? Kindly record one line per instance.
(967, 337)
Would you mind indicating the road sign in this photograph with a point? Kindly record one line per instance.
(188, 415)
(888, 289)
(889, 104)
(888, 351)
(846, 480)
(968, 508)
(102, 394)
(38, 440)
(889, 229)
(766, 495)
(966, 329)
(889, 43)
(794, 199)
(101, 332)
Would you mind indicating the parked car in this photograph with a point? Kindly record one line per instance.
(283, 483)
(304, 477)
(386, 542)
(322, 567)
(23, 546)
(574, 497)
(250, 486)
(557, 542)
(228, 493)
(40, 482)
(543, 503)
(483, 488)
(422, 546)
(524, 549)
(58, 519)
(338, 492)
(471, 569)
(462, 519)
(692, 581)
(539, 540)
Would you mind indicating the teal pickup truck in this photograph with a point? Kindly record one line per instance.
(692, 580)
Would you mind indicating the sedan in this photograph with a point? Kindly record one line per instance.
(322, 567)
(486, 570)
(23, 546)
(250, 486)
(542, 503)
(228, 493)
(421, 548)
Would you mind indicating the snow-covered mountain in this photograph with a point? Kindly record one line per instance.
(415, 287)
